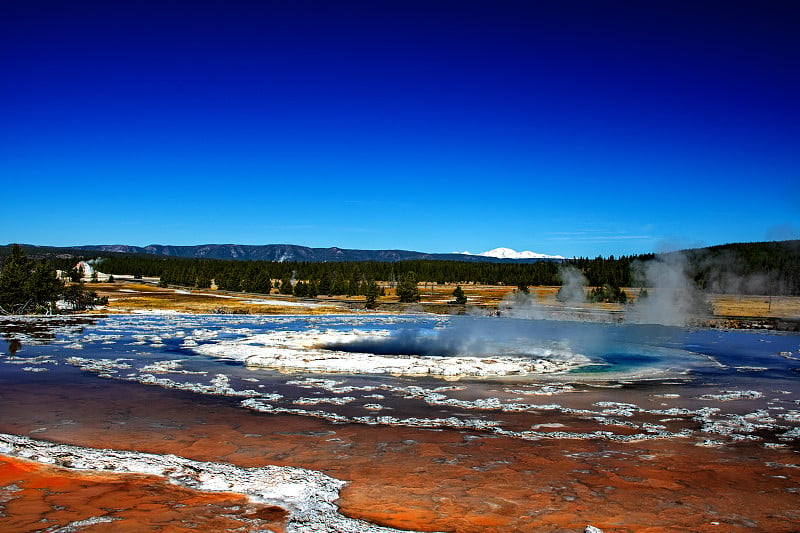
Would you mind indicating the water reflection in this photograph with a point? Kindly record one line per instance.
(112, 382)
(17, 331)
(639, 383)
(13, 345)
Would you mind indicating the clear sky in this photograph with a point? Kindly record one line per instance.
(571, 128)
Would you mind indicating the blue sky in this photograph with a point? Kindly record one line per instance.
(571, 128)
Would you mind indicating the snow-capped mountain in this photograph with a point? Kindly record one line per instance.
(291, 252)
(508, 253)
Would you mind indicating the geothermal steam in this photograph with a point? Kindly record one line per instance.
(474, 336)
(672, 295)
(572, 284)
(525, 330)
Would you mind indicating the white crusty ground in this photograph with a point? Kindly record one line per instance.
(308, 495)
(300, 351)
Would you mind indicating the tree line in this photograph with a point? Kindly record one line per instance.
(750, 268)
(745, 268)
(29, 286)
(346, 278)
(343, 278)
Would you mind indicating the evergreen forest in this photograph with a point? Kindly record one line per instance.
(747, 268)
(30, 286)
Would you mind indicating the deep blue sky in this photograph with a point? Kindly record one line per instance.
(572, 128)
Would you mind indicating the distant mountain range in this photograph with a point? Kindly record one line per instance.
(508, 253)
(291, 252)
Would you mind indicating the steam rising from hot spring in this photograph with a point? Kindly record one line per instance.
(459, 346)
(468, 346)
(405, 342)
(627, 347)
(673, 297)
(474, 336)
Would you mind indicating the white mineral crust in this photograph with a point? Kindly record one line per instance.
(301, 351)
(308, 495)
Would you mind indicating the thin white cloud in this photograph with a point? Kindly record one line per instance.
(599, 238)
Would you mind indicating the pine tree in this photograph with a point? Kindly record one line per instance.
(372, 291)
(44, 288)
(14, 296)
(76, 274)
(301, 289)
(354, 286)
(260, 284)
(338, 286)
(351, 288)
(459, 295)
(26, 286)
(286, 286)
(324, 286)
(311, 290)
(407, 288)
(80, 299)
(203, 281)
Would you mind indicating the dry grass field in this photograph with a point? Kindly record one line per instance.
(726, 305)
(756, 306)
(134, 295)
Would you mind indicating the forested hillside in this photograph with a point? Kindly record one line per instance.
(748, 268)
(285, 252)
(745, 268)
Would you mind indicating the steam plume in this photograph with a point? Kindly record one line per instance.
(572, 283)
(672, 295)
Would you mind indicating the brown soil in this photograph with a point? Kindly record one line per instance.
(34, 496)
(418, 479)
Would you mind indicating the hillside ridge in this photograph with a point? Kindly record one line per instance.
(293, 252)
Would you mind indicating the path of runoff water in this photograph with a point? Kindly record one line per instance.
(650, 397)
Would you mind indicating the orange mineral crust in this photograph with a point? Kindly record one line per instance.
(428, 480)
(34, 497)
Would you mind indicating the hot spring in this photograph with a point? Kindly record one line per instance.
(415, 410)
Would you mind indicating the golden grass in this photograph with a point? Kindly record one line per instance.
(128, 297)
(756, 306)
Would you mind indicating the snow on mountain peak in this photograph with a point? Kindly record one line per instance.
(508, 253)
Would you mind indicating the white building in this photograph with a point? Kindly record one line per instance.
(88, 273)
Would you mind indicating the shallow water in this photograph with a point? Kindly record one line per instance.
(675, 397)
(632, 372)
